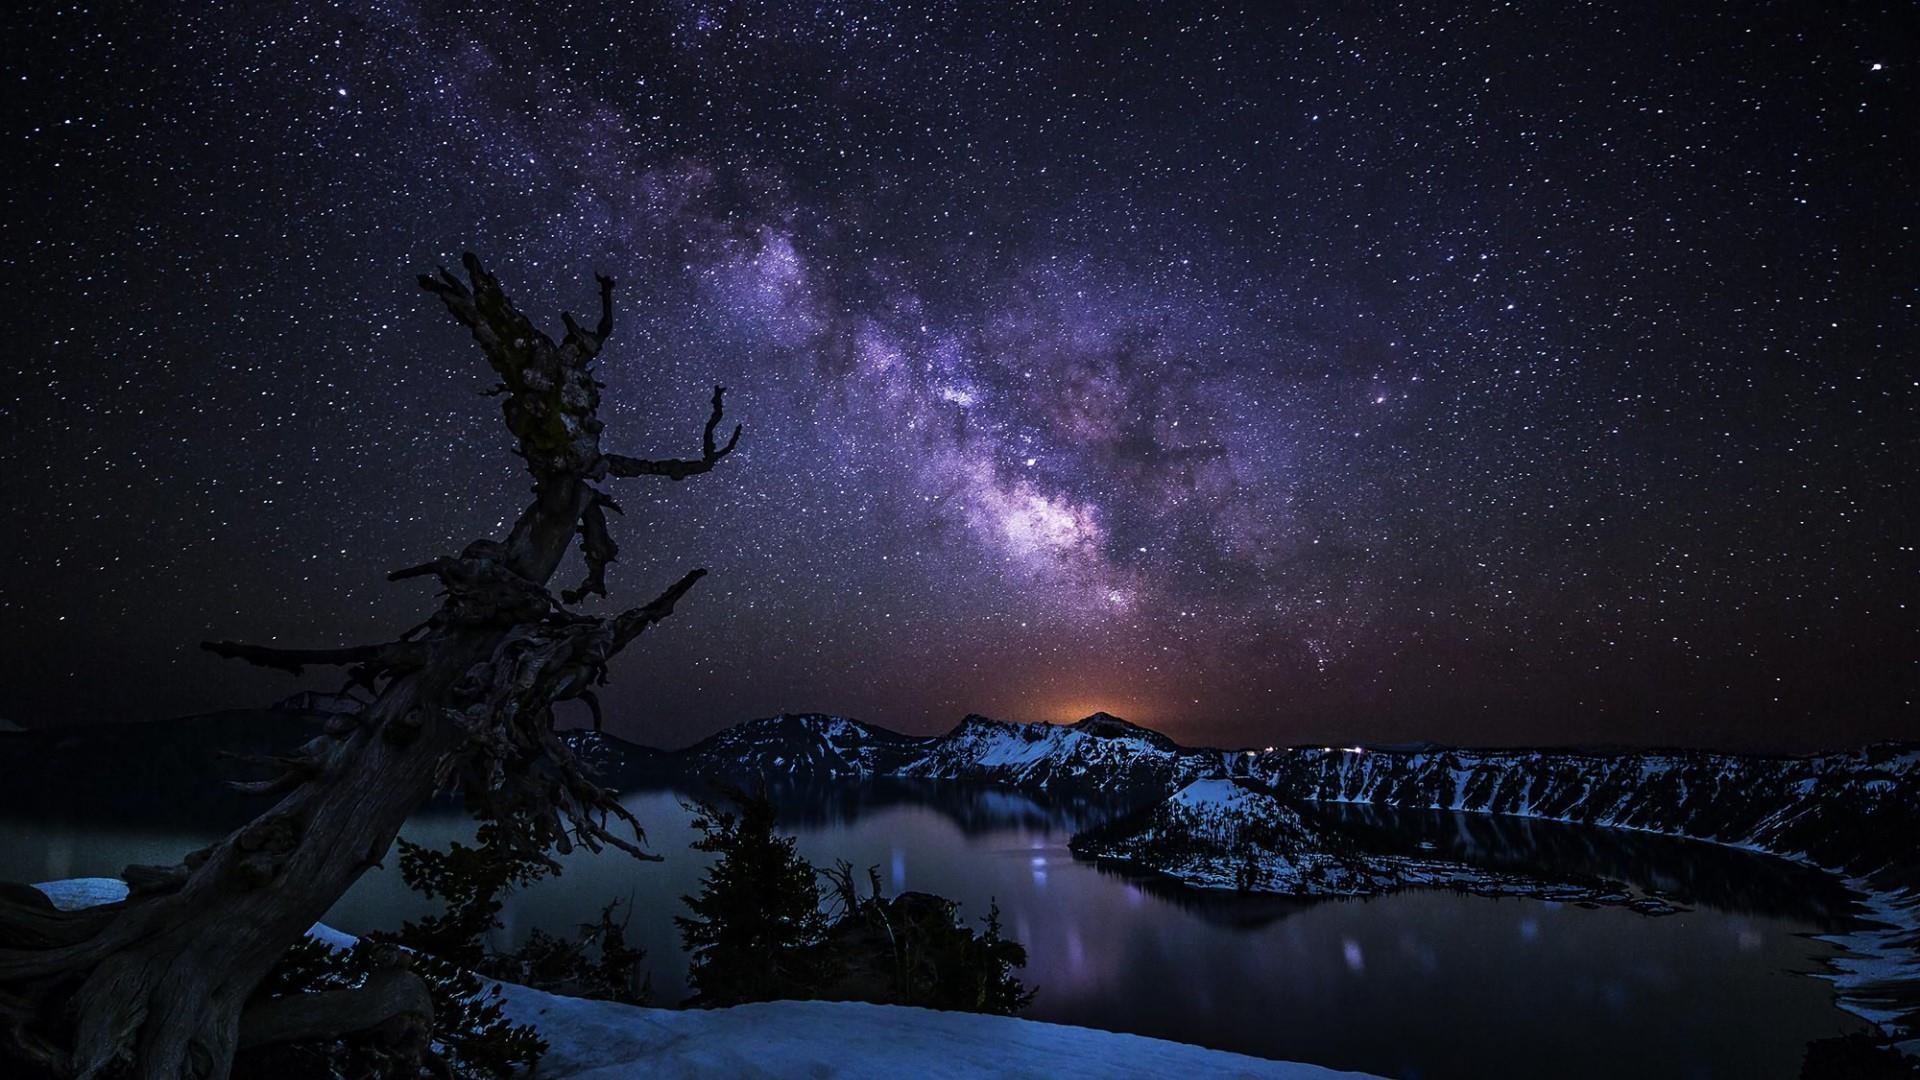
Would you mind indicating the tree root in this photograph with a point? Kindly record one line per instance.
(393, 1003)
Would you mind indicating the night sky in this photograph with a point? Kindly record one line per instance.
(1464, 372)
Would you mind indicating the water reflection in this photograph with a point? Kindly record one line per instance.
(1418, 984)
(972, 808)
(1689, 871)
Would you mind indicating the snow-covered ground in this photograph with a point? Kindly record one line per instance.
(599, 1040)
(604, 1040)
(1877, 974)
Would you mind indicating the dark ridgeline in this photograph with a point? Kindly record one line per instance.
(162, 984)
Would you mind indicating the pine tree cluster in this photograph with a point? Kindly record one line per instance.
(760, 929)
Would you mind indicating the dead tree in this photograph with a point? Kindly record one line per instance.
(158, 986)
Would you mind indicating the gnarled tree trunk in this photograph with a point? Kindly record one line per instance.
(158, 984)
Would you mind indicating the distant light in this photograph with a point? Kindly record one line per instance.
(342, 91)
(1876, 67)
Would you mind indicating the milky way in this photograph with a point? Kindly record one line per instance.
(1450, 373)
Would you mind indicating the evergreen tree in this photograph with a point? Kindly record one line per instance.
(913, 949)
(472, 881)
(758, 931)
(755, 928)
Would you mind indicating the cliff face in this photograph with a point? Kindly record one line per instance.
(1856, 812)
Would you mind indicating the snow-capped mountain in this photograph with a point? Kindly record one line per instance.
(801, 745)
(1100, 752)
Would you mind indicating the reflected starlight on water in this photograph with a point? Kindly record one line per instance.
(1356, 959)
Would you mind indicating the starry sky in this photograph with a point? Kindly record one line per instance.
(1482, 373)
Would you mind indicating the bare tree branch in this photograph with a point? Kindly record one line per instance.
(631, 623)
(296, 661)
(710, 454)
(585, 344)
(597, 546)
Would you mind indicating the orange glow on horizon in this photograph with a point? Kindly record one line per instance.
(1132, 710)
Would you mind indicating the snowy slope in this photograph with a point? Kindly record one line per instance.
(1100, 752)
(1228, 834)
(598, 1040)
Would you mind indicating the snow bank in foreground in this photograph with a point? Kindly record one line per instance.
(603, 1040)
(600, 1040)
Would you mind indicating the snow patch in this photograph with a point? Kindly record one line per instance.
(601, 1040)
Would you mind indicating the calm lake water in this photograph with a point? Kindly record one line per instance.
(1421, 984)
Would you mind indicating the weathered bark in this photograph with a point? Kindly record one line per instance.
(157, 984)
(393, 994)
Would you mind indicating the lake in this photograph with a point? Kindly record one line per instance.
(1420, 984)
